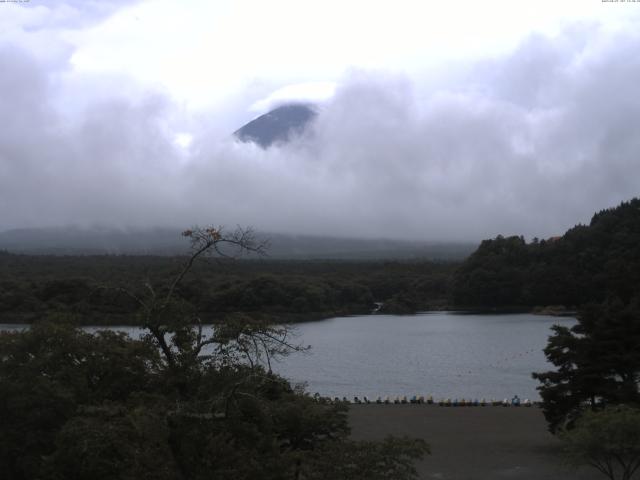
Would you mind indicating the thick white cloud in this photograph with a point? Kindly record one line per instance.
(204, 51)
(529, 143)
(312, 92)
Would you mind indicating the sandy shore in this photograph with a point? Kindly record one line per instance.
(479, 443)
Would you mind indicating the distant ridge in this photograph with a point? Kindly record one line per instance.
(166, 241)
(278, 125)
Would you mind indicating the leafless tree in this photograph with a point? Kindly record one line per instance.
(177, 329)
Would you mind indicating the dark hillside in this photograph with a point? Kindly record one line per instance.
(277, 125)
(587, 264)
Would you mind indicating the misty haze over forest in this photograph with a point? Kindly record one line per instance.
(525, 141)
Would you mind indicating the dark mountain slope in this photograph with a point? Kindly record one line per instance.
(278, 125)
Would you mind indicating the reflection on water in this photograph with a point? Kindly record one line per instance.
(440, 354)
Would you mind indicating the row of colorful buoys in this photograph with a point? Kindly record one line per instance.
(444, 402)
(514, 402)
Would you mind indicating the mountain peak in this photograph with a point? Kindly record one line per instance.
(278, 125)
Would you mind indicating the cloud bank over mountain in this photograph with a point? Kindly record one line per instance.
(527, 143)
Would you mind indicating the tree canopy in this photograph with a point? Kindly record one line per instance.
(587, 264)
(597, 361)
(607, 440)
(181, 402)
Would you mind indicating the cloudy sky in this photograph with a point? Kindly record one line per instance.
(438, 120)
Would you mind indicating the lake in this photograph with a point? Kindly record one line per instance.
(444, 354)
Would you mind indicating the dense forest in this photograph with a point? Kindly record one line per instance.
(587, 264)
(32, 287)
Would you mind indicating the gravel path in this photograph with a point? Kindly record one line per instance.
(472, 443)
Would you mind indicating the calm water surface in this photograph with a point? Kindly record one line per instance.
(443, 354)
(439, 354)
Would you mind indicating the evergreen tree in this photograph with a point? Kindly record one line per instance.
(587, 264)
(597, 360)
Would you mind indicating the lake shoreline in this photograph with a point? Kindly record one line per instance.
(287, 318)
(443, 355)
